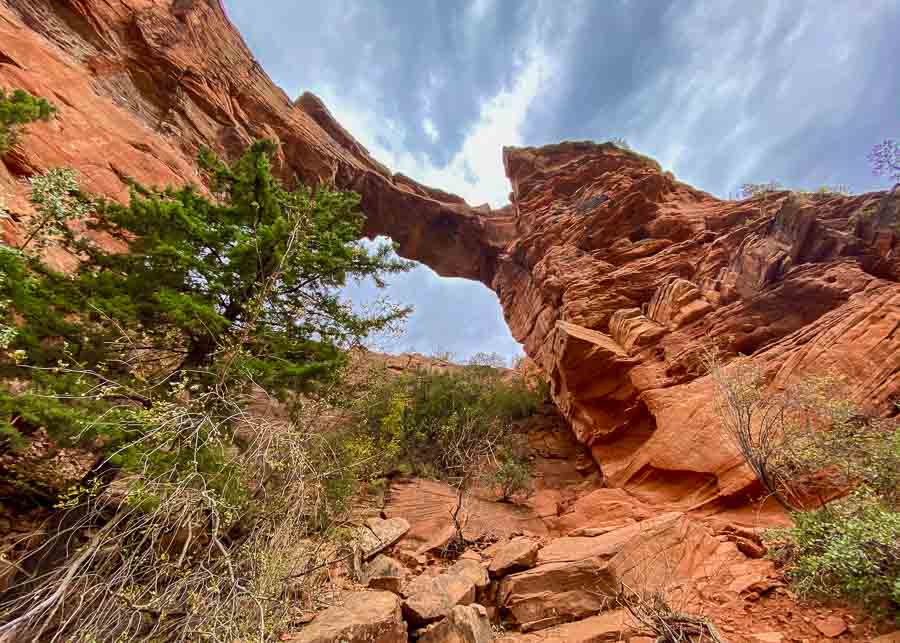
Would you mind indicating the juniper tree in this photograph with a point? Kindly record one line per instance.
(19, 108)
(245, 285)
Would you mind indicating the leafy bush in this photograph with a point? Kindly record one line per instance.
(439, 424)
(17, 109)
(512, 473)
(850, 550)
(789, 435)
(58, 202)
(808, 446)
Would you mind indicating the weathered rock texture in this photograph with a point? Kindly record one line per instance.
(620, 276)
(613, 274)
(365, 617)
(142, 85)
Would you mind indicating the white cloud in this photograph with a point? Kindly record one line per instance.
(475, 172)
(479, 9)
(739, 71)
(431, 130)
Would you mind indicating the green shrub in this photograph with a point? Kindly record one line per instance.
(58, 202)
(17, 109)
(808, 444)
(437, 424)
(848, 550)
(512, 474)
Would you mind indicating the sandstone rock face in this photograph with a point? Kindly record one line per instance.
(517, 555)
(142, 85)
(472, 571)
(620, 274)
(612, 273)
(429, 599)
(365, 617)
(379, 534)
(428, 506)
(576, 577)
(464, 624)
(385, 573)
(609, 626)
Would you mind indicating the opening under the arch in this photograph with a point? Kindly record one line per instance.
(459, 317)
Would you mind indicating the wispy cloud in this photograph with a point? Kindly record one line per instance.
(475, 171)
(721, 93)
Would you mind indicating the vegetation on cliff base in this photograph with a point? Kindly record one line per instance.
(18, 108)
(208, 291)
(204, 360)
(200, 516)
(451, 424)
(834, 467)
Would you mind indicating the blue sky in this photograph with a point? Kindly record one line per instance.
(721, 93)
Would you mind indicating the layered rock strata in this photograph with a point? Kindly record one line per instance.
(613, 274)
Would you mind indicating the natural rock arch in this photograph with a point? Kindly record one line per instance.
(610, 272)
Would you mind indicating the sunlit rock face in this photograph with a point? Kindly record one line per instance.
(612, 273)
(142, 85)
(619, 276)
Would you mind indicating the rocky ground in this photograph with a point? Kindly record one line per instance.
(613, 275)
(544, 568)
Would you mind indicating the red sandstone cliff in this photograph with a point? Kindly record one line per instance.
(620, 275)
(612, 273)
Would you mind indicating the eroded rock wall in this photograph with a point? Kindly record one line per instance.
(620, 276)
(613, 274)
(142, 85)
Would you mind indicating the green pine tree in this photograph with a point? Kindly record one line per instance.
(20, 108)
(243, 287)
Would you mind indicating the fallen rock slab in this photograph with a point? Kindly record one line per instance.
(616, 506)
(608, 626)
(517, 555)
(365, 617)
(383, 565)
(429, 505)
(385, 573)
(378, 534)
(429, 599)
(831, 626)
(464, 624)
(473, 571)
(556, 593)
(577, 577)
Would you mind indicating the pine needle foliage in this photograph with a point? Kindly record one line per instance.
(240, 287)
(19, 108)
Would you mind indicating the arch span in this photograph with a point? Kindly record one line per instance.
(610, 272)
